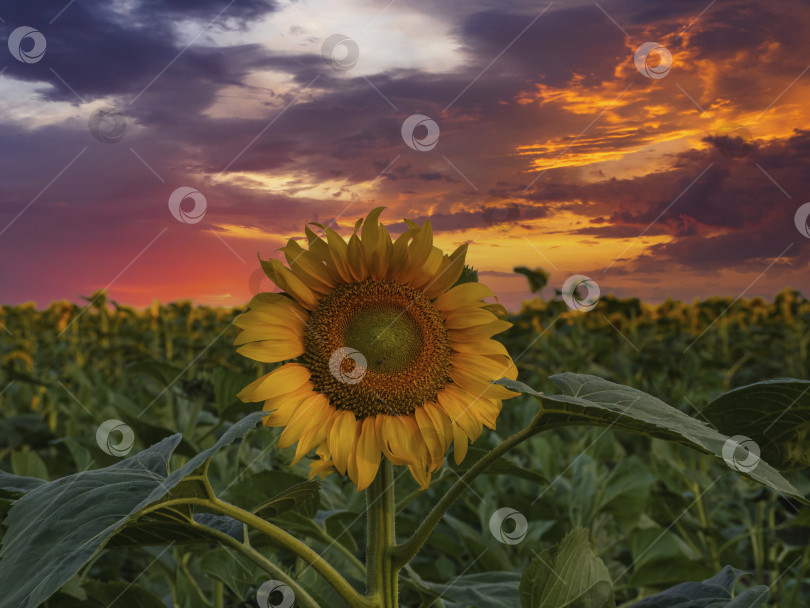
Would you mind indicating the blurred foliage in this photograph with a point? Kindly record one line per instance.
(658, 514)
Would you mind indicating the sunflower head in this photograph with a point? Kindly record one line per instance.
(388, 346)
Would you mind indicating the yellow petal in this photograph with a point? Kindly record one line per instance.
(368, 454)
(469, 316)
(282, 408)
(489, 367)
(307, 267)
(342, 438)
(462, 295)
(289, 377)
(289, 282)
(450, 272)
(460, 444)
(442, 423)
(309, 414)
(338, 250)
(433, 437)
(458, 404)
(315, 434)
(419, 251)
(471, 382)
(357, 264)
(484, 347)
(275, 333)
(271, 352)
(479, 332)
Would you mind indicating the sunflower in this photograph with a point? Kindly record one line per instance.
(393, 354)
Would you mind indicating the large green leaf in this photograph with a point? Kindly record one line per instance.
(774, 413)
(57, 527)
(13, 485)
(483, 590)
(592, 400)
(286, 491)
(238, 572)
(122, 595)
(711, 593)
(571, 576)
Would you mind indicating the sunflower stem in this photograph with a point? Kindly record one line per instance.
(404, 553)
(382, 576)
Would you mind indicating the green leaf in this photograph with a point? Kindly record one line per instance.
(592, 400)
(625, 492)
(660, 558)
(57, 527)
(14, 485)
(502, 466)
(238, 572)
(169, 526)
(226, 385)
(483, 590)
(571, 576)
(147, 433)
(28, 464)
(711, 593)
(123, 595)
(287, 491)
(774, 413)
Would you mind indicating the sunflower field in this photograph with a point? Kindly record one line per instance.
(120, 425)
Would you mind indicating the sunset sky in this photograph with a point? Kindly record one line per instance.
(553, 149)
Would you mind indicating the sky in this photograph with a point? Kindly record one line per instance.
(155, 148)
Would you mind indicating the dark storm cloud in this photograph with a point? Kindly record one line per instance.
(100, 48)
(732, 215)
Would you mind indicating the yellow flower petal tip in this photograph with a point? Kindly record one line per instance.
(393, 359)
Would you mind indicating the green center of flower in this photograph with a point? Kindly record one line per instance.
(377, 347)
(387, 336)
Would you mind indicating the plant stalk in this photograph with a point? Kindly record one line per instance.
(382, 575)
